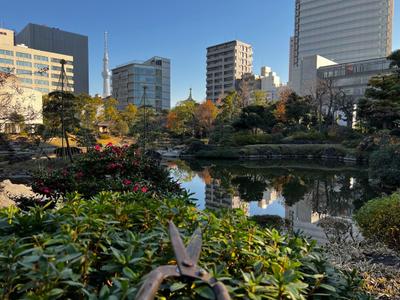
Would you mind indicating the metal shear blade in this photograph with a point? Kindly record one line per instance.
(186, 258)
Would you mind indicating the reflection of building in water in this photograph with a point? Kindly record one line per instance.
(270, 196)
(302, 211)
(324, 200)
(218, 197)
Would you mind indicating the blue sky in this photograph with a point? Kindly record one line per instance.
(178, 29)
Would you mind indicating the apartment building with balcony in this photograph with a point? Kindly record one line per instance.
(227, 63)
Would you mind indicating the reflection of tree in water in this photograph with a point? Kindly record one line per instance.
(294, 189)
(328, 190)
(180, 170)
(250, 188)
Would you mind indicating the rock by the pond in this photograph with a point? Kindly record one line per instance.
(10, 191)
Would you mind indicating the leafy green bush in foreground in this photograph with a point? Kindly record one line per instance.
(380, 218)
(101, 248)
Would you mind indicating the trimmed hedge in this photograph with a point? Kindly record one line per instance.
(380, 219)
(276, 150)
(101, 248)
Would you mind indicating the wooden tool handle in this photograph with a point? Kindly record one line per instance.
(149, 288)
(221, 292)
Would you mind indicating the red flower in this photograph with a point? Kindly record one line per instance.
(135, 188)
(46, 190)
(79, 175)
(126, 182)
(97, 147)
(144, 189)
(109, 144)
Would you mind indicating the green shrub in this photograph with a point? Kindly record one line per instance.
(271, 221)
(351, 143)
(395, 132)
(219, 153)
(305, 137)
(379, 219)
(384, 166)
(102, 248)
(195, 146)
(110, 168)
(340, 133)
(242, 139)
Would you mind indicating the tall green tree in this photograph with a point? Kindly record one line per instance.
(181, 119)
(297, 109)
(380, 109)
(255, 118)
(230, 107)
(260, 98)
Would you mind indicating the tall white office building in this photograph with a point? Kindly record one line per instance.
(341, 30)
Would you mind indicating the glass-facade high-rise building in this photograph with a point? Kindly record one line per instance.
(341, 30)
(129, 80)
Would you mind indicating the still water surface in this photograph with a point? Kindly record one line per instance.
(303, 192)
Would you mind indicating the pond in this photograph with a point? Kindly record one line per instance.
(303, 192)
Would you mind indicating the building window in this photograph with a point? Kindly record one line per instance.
(25, 80)
(40, 57)
(41, 82)
(55, 68)
(6, 61)
(70, 70)
(7, 52)
(6, 70)
(43, 90)
(41, 74)
(41, 66)
(24, 63)
(24, 55)
(26, 72)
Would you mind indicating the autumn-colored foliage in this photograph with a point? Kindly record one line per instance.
(206, 113)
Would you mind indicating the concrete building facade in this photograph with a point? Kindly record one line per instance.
(59, 41)
(129, 80)
(268, 82)
(352, 78)
(35, 69)
(304, 79)
(341, 31)
(226, 63)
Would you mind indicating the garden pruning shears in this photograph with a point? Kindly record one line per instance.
(187, 267)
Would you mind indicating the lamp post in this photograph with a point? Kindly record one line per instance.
(144, 119)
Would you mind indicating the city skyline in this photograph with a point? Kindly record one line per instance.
(179, 30)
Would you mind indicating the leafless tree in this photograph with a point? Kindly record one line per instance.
(244, 92)
(328, 100)
(9, 103)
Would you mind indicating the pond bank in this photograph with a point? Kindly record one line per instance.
(280, 151)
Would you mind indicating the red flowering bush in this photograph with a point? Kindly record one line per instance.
(110, 168)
